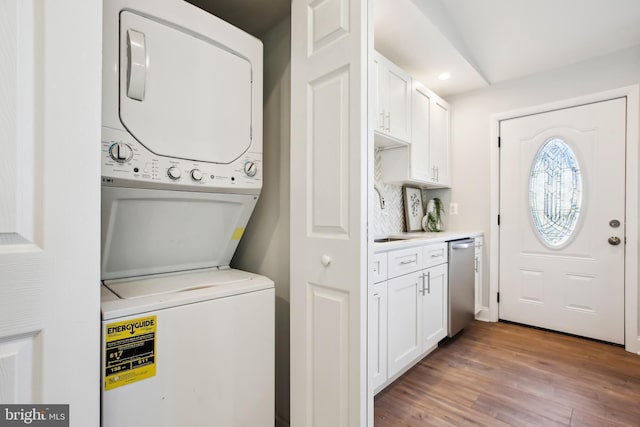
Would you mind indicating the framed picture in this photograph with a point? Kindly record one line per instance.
(413, 212)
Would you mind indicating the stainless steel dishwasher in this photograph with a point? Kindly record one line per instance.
(461, 284)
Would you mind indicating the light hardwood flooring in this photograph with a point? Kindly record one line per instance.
(501, 374)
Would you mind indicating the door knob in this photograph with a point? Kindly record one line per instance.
(326, 260)
(614, 240)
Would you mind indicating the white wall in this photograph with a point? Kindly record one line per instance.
(471, 126)
(264, 248)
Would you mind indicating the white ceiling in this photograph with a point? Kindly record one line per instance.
(489, 41)
(480, 42)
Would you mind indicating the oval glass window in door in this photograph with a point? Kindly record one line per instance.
(555, 192)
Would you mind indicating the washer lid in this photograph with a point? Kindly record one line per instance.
(140, 287)
(136, 295)
(182, 94)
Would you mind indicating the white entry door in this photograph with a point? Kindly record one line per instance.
(562, 225)
(50, 206)
(329, 180)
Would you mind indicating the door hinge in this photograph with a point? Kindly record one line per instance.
(498, 297)
(498, 142)
(498, 219)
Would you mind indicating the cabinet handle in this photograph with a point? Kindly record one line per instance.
(438, 173)
(407, 262)
(422, 288)
(389, 122)
(381, 123)
(429, 282)
(436, 256)
(433, 173)
(476, 264)
(376, 294)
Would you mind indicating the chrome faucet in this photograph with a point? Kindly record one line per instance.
(375, 187)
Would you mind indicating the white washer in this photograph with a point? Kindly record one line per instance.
(211, 345)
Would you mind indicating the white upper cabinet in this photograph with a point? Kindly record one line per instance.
(391, 103)
(439, 141)
(425, 161)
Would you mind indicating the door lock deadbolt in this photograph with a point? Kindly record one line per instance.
(614, 223)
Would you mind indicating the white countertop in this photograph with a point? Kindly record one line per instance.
(421, 238)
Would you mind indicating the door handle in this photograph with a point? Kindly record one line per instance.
(614, 240)
(137, 72)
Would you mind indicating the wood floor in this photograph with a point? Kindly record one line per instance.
(499, 374)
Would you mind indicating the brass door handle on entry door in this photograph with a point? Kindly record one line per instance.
(614, 240)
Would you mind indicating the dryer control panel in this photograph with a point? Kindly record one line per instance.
(125, 160)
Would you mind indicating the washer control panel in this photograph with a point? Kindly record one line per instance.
(124, 158)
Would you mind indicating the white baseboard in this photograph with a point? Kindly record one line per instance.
(484, 315)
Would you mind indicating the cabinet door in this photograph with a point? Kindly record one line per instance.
(404, 320)
(398, 94)
(377, 325)
(420, 165)
(378, 92)
(439, 143)
(434, 306)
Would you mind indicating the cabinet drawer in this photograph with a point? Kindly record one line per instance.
(379, 267)
(434, 254)
(404, 261)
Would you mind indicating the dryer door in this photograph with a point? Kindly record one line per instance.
(181, 94)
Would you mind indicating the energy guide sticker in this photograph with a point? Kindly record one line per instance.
(130, 351)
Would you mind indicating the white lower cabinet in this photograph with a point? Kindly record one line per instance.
(408, 311)
(377, 326)
(404, 321)
(434, 306)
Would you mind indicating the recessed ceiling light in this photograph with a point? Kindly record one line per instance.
(444, 76)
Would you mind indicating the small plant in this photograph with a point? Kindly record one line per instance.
(434, 215)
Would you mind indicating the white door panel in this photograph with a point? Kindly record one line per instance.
(577, 285)
(49, 205)
(329, 178)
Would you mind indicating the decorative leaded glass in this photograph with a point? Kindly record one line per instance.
(555, 192)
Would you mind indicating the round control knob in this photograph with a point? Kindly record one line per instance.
(121, 152)
(196, 175)
(250, 168)
(174, 173)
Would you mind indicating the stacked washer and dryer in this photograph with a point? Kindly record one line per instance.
(187, 340)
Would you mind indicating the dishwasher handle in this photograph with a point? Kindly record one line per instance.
(463, 244)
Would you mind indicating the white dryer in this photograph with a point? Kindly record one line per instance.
(186, 339)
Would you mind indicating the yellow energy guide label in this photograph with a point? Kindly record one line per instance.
(130, 353)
